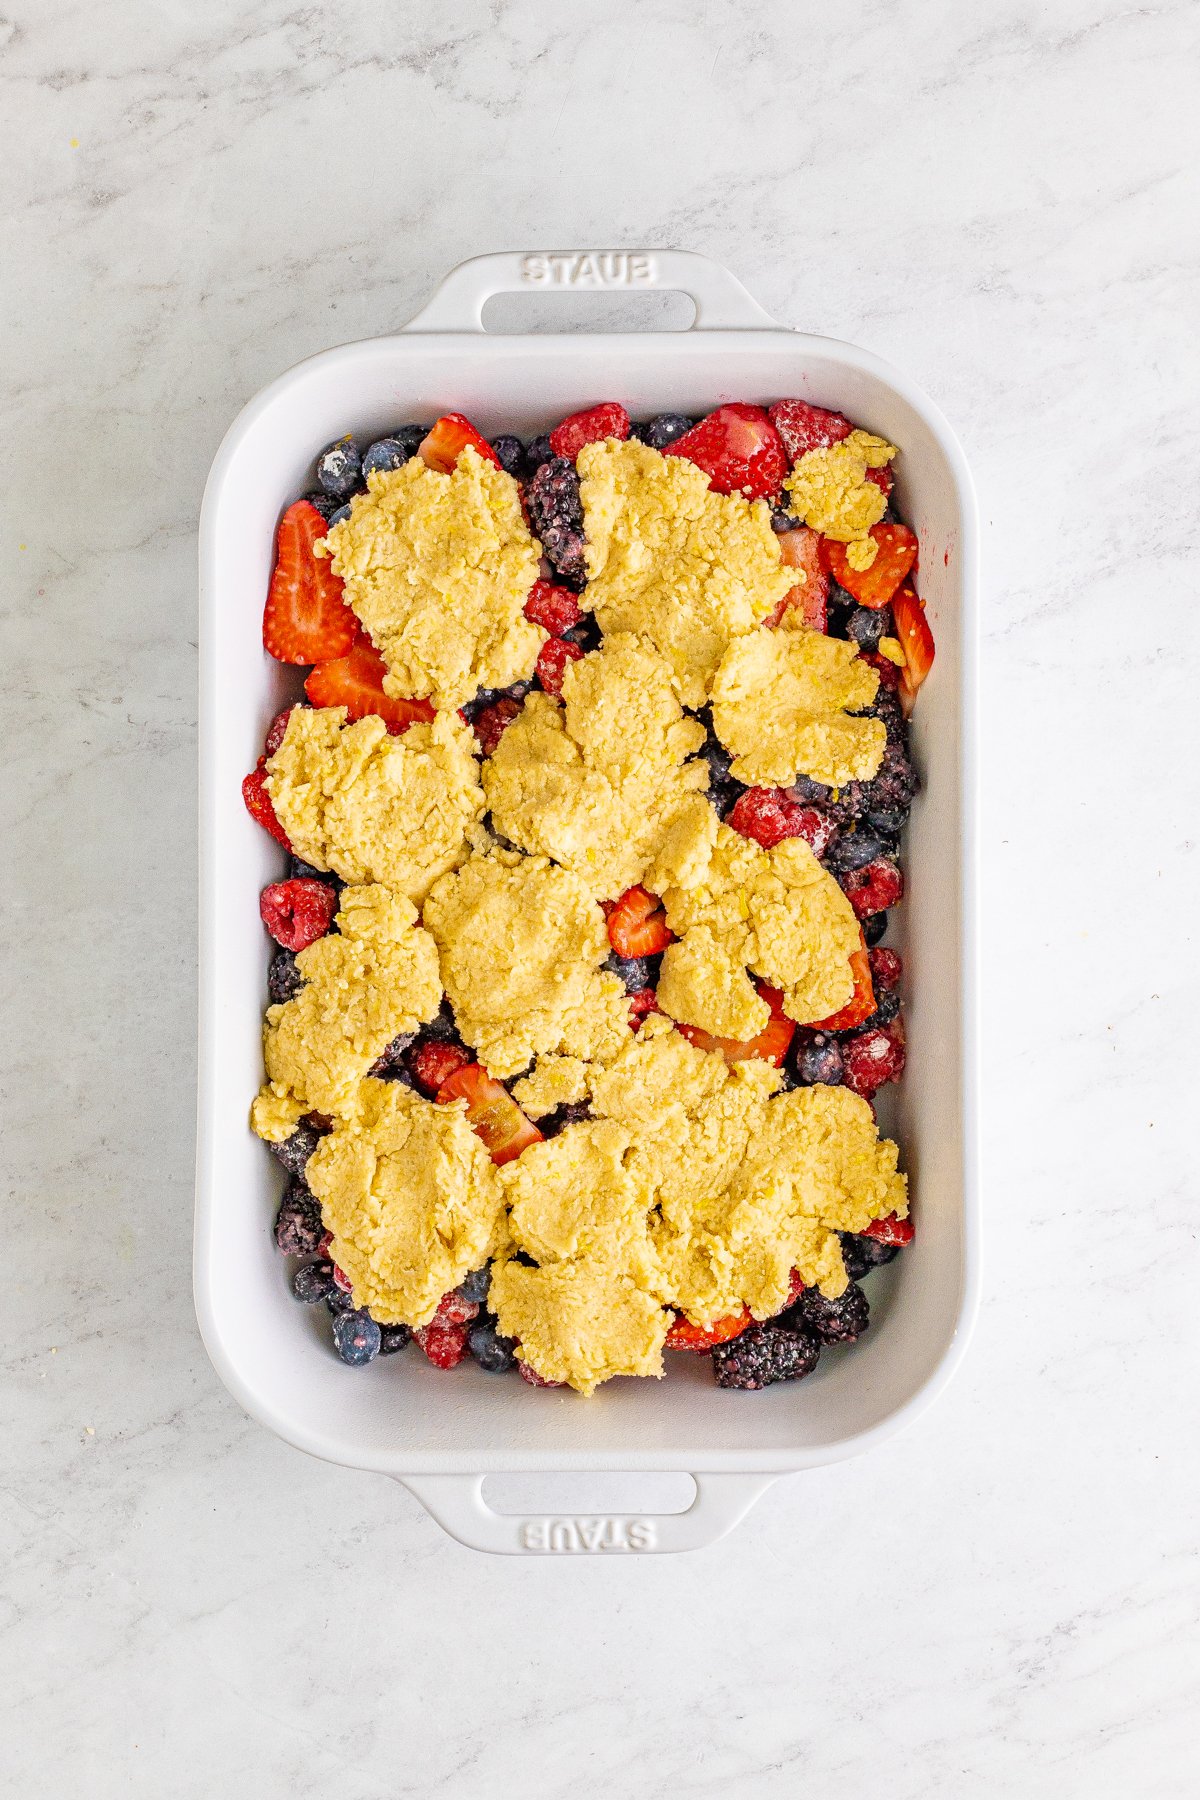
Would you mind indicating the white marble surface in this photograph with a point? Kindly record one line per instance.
(1002, 200)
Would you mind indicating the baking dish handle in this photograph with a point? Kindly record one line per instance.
(458, 1505)
(722, 303)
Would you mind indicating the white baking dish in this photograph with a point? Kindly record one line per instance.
(441, 1434)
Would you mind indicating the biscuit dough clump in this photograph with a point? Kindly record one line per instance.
(781, 701)
(372, 806)
(438, 568)
(830, 491)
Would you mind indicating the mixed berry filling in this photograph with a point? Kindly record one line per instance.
(857, 585)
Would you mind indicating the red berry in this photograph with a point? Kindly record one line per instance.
(276, 734)
(306, 618)
(883, 478)
(323, 1246)
(492, 1113)
(444, 1345)
(683, 1335)
(874, 889)
(861, 1003)
(915, 637)
(637, 924)
(801, 550)
(871, 1058)
(453, 1309)
(552, 661)
(342, 1280)
(803, 427)
(448, 437)
(355, 681)
(886, 968)
(768, 815)
(640, 1004)
(529, 1374)
(298, 912)
(890, 1230)
(434, 1062)
(609, 420)
(888, 673)
(895, 554)
(259, 805)
(739, 450)
(491, 724)
(555, 609)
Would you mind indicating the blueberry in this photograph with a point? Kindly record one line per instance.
(862, 1254)
(393, 1338)
(663, 429)
(284, 979)
(295, 1151)
(343, 512)
(782, 520)
(866, 626)
(298, 1227)
(511, 452)
(299, 870)
(490, 1350)
(339, 468)
(874, 927)
(586, 634)
(538, 452)
(356, 1338)
(337, 1300)
(635, 971)
(385, 455)
(853, 851)
(313, 1281)
(570, 1113)
(476, 1285)
(410, 438)
(325, 504)
(887, 822)
(817, 1061)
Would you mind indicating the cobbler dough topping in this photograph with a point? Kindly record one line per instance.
(572, 1197)
(374, 807)
(521, 945)
(412, 1198)
(830, 490)
(438, 568)
(702, 983)
(602, 783)
(669, 560)
(579, 1322)
(780, 703)
(780, 914)
(366, 983)
(554, 1081)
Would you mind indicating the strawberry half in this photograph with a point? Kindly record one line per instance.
(609, 420)
(890, 1230)
(448, 438)
(356, 682)
(492, 1113)
(305, 618)
(861, 1003)
(803, 427)
(915, 639)
(637, 924)
(770, 1045)
(802, 550)
(739, 450)
(896, 552)
(683, 1335)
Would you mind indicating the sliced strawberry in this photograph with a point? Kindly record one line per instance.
(637, 924)
(305, 618)
(298, 912)
(490, 725)
(801, 549)
(739, 450)
(644, 1002)
(915, 638)
(683, 1335)
(492, 1113)
(356, 682)
(277, 732)
(890, 1230)
(861, 1003)
(803, 427)
(770, 1045)
(894, 557)
(448, 438)
(874, 888)
(552, 661)
(434, 1062)
(609, 420)
(555, 609)
(258, 803)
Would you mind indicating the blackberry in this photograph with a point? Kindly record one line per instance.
(393, 1338)
(384, 456)
(409, 437)
(339, 468)
(511, 452)
(887, 1005)
(571, 1113)
(284, 979)
(874, 927)
(476, 1285)
(862, 1254)
(537, 453)
(298, 1227)
(764, 1354)
(852, 851)
(392, 1060)
(662, 429)
(832, 1321)
(816, 1059)
(586, 634)
(325, 504)
(866, 625)
(356, 1338)
(295, 1151)
(556, 515)
(313, 1281)
(442, 1026)
(491, 1350)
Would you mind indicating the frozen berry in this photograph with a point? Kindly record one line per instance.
(284, 979)
(837, 1321)
(538, 452)
(765, 1354)
(312, 1282)
(593, 426)
(528, 1373)
(444, 1345)
(434, 1062)
(442, 1025)
(295, 1151)
(491, 724)
(511, 452)
(383, 457)
(782, 522)
(866, 626)
(853, 851)
(455, 1308)
(552, 661)
(637, 972)
(392, 1059)
(476, 1285)
(410, 438)
(769, 815)
(491, 1350)
(555, 609)
(642, 1003)
(356, 1338)
(298, 1227)
(339, 1300)
(817, 1060)
(804, 427)
(862, 1254)
(299, 870)
(556, 516)
(260, 806)
(571, 1112)
(339, 468)
(874, 927)
(393, 1338)
(663, 429)
(886, 970)
(870, 1059)
(297, 913)
(325, 504)
(276, 731)
(875, 888)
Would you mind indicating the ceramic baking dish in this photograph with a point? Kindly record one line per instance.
(442, 1434)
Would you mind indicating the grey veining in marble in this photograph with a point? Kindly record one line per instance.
(1000, 199)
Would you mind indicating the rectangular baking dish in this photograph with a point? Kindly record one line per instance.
(443, 1434)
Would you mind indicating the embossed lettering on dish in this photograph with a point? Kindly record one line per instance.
(591, 268)
(588, 1536)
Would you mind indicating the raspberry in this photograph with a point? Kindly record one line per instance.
(555, 609)
(645, 1001)
(530, 1374)
(886, 969)
(888, 673)
(875, 888)
(890, 1230)
(455, 1309)
(769, 815)
(870, 1059)
(259, 804)
(444, 1345)
(434, 1062)
(803, 427)
(765, 1354)
(609, 420)
(297, 913)
(275, 734)
(491, 724)
(552, 661)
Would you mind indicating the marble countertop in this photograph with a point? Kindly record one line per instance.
(1002, 1601)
